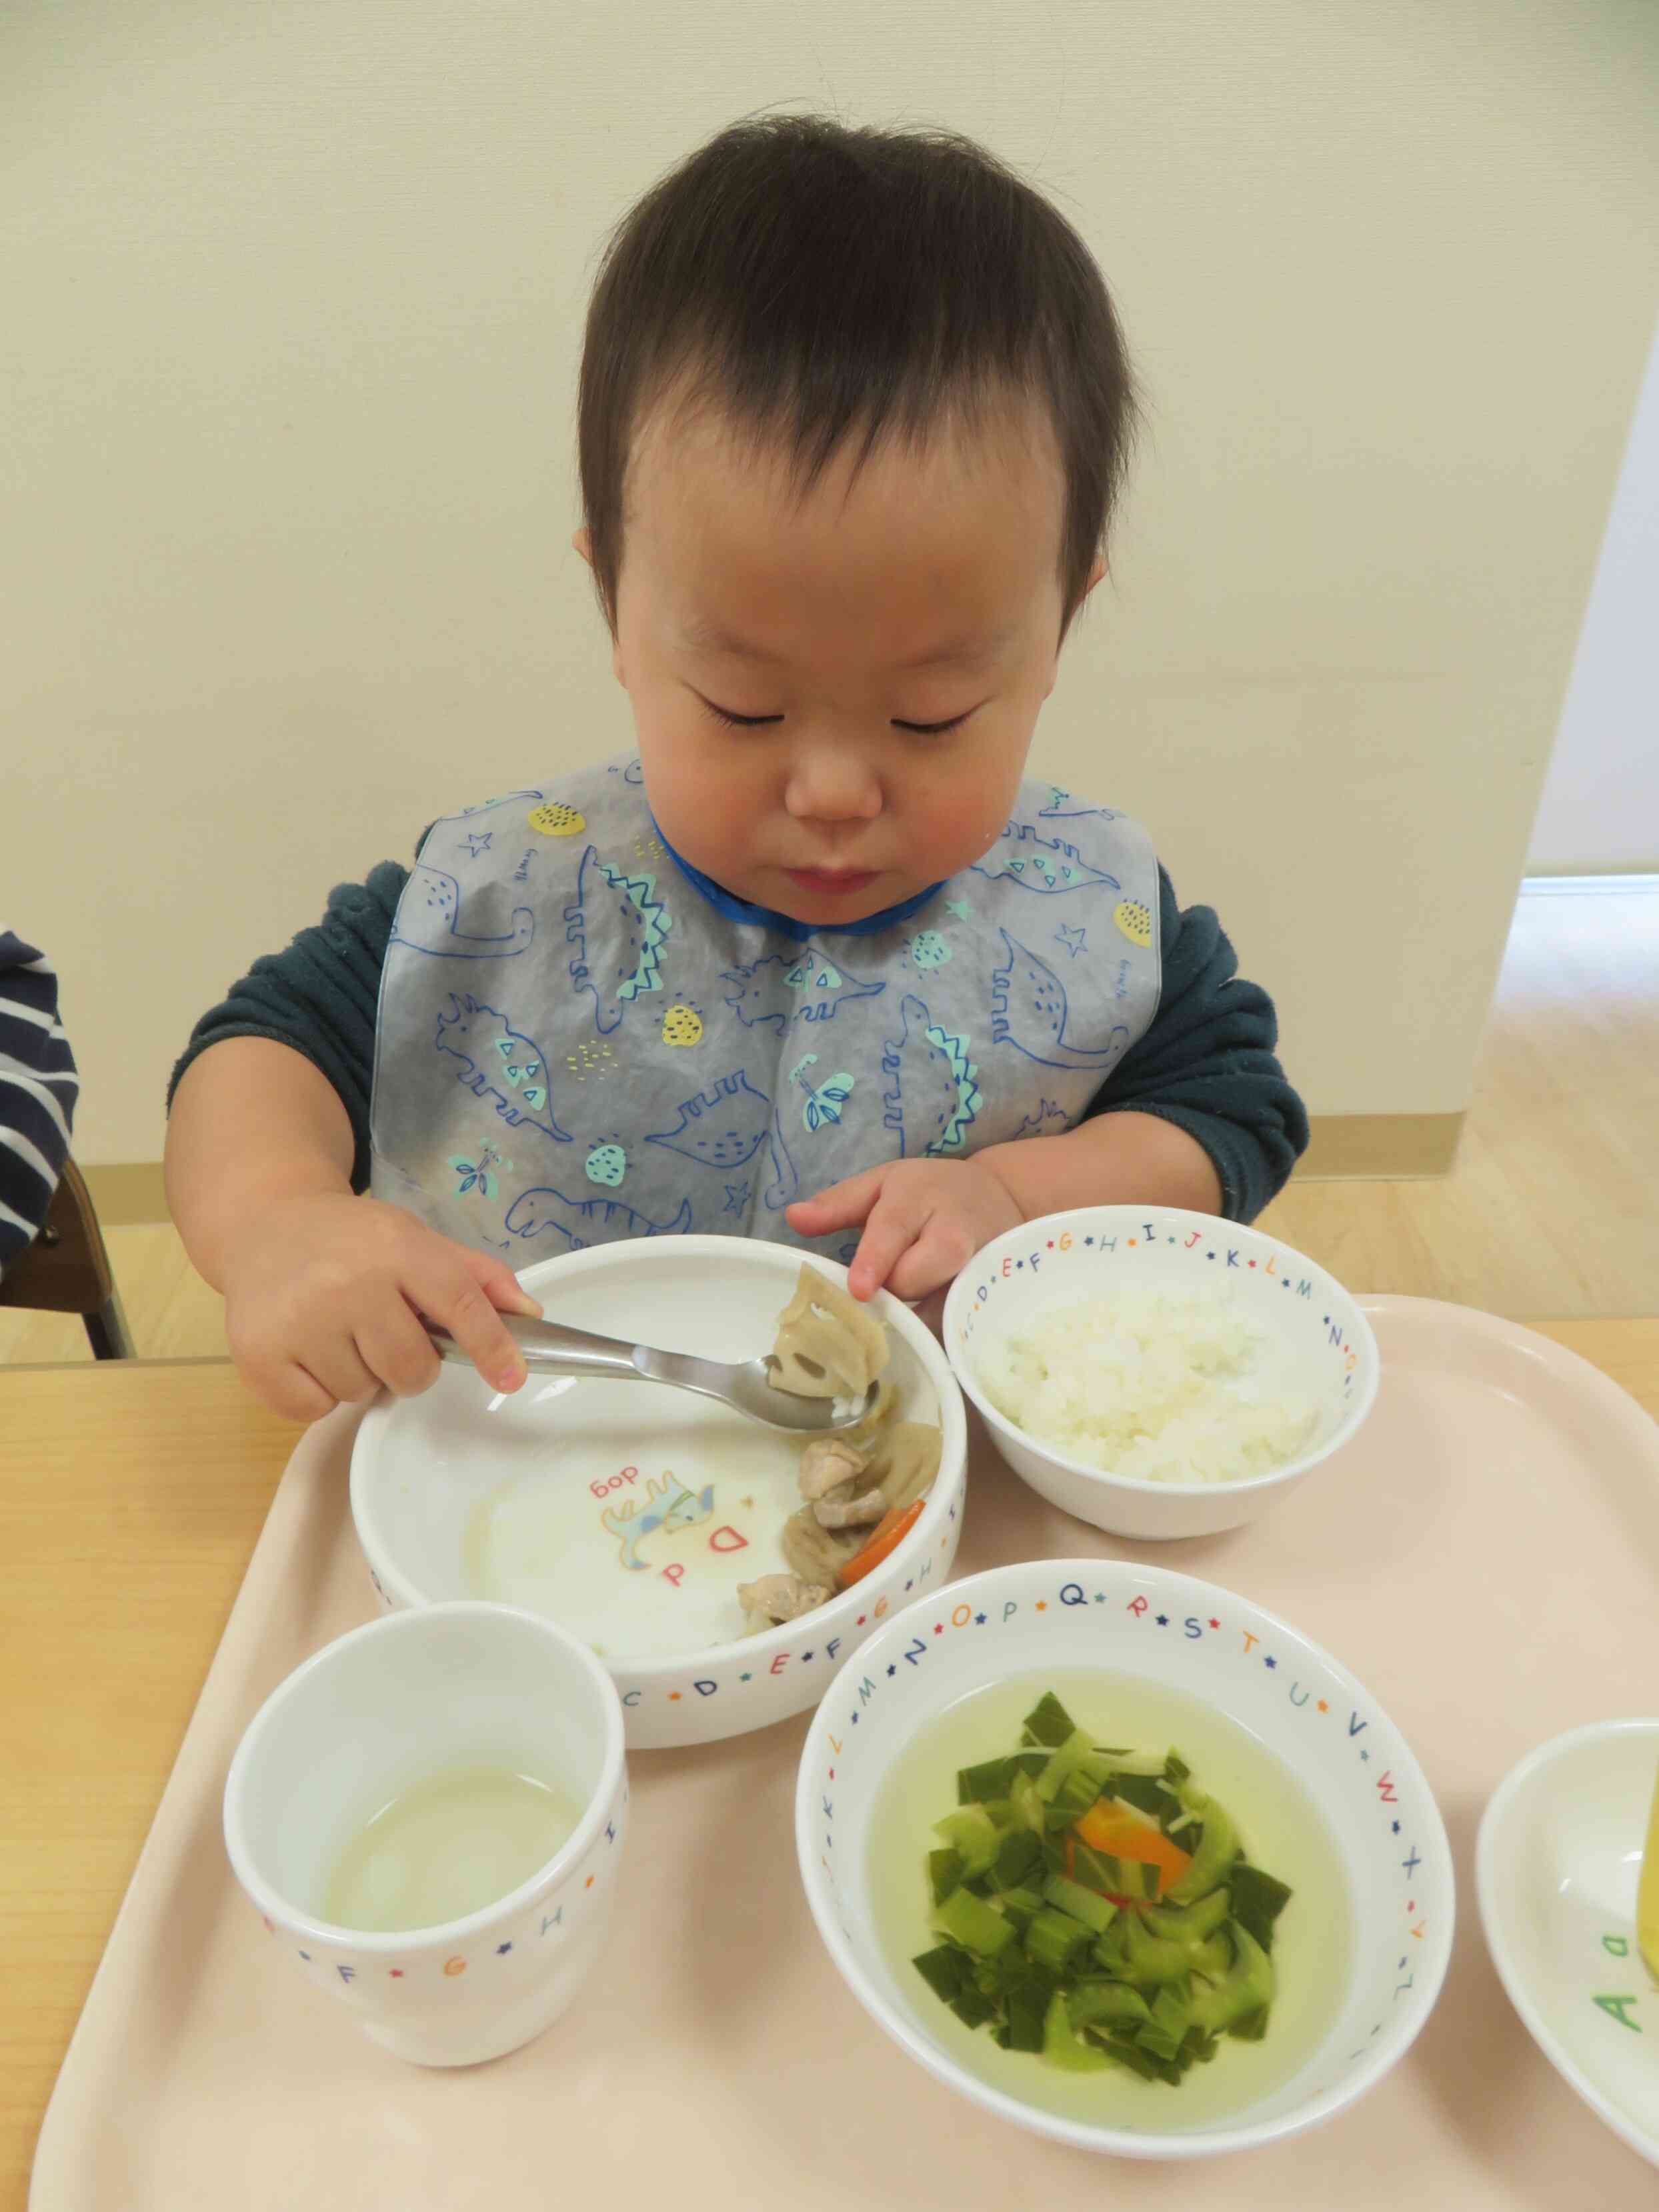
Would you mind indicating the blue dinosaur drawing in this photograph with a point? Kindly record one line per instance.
(428, 920)
(788, 987)
(934, 1100)
(1045, 864)
(750, 1119)
(738, 1117)
(505, 798)
(1029, 1010)
(785, 1176)
(498, 1063)
(668, 1505)
(1047, 1121)
(645, 922)
(1063, 807)
(584, 1221)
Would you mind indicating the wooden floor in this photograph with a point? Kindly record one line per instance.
(1553, 1209)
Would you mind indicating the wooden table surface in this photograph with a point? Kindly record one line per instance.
(132, 1495)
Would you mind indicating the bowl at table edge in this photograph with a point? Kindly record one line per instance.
(1320, 1343)
(1556, 1865)
(720, 1298)
(1053, 1618)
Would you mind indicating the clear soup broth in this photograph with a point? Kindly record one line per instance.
(1282, 1832)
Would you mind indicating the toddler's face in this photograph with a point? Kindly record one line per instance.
(835, 697)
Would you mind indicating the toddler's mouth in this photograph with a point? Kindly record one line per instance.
(833, 882)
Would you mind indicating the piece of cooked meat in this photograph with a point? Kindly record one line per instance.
(828, 1463)
(849, 1508)
(777, 1598)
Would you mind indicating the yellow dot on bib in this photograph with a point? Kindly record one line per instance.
(1134, 919)
(555, 819)
(681, 1025)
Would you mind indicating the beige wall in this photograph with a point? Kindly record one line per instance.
(295, 294)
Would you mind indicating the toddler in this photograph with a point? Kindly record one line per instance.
(812, 962)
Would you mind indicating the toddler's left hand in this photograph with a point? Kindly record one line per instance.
(923, 1221)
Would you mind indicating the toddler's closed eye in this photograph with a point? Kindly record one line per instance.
(740, 722)
(934, 729)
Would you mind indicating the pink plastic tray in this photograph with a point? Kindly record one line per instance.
(1485, 1556)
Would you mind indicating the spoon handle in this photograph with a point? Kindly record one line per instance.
(551, 1348)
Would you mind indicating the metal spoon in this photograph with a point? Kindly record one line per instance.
(551, 1348)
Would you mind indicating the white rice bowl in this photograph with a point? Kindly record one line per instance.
(1225, 1366)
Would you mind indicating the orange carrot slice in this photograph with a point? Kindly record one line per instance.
(1106, 1827)
(890, 1531)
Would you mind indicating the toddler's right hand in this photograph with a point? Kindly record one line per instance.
(323, 1295)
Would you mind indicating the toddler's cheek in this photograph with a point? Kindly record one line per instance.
(959, 827)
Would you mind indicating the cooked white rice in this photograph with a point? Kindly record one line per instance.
(1159, 1385)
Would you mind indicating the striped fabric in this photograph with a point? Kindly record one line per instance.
(37, 1090)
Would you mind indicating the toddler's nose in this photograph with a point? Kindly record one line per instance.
(831, 782)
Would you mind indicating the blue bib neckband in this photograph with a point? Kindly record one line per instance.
(763, 917)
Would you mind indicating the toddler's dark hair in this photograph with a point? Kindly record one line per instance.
(814, 281)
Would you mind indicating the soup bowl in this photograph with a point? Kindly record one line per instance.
(1282, 1732)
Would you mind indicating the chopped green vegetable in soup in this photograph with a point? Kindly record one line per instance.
(1095, 1907)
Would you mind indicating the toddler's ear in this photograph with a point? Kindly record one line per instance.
(583, 541)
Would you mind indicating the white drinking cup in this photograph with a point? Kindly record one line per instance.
(371, 1716)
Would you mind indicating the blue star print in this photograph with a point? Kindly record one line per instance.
(736, 1197)
(1070, 937)
(478, 840)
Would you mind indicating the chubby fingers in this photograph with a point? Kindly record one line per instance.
(938, 1254)
(499, 1284)
(300, 1374)
(899, 1229)
(395, 1348)
(457, 1289)
(841, 1206)
(289, 1390)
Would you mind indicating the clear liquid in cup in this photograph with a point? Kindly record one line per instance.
(460, 1839)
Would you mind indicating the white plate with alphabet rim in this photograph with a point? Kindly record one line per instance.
(620, 1509)
(1556, 1863)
